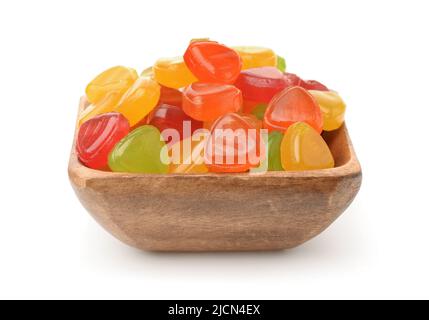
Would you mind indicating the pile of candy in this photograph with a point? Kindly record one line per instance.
(187, 115)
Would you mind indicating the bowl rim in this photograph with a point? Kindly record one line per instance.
(79, 172)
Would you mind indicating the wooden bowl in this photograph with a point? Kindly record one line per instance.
(220, 212)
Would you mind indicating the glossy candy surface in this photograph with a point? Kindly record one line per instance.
(97, 137)
(212, 62)
(108, 104)
(167, 116)
(139, 152)
(173, 73)
(255, 57)
(188, 156)
(209, 101)
(259, 111)
(261, 84)
(293, 105)
(281, 64)
(115, 81)
(333, 108)
(314, 85)
(170, 96)
(233, 146)
(293, 80)
(302, 148)
(274, 158)
(139, 99)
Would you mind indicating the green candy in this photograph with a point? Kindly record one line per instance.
(259, 111)
(274, 160)
(139, 152)
(281, 64)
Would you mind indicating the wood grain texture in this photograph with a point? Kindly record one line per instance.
(220, 212)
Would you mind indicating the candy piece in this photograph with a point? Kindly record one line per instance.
(259, 111)
(167, 116)
(314, 85)
(188, 156)
(97, 137)
(148, 72)
(114, 80)
(233, 146)
(171, 96)
(208, 101)
(212, 62)
(333, 108)
(108, 104)
(261, 84)
(274, 160)
(253, 120)
(139, 152)
(302, 148)
(173, 73)
(281, 64)
(293, 80)
(293, 105)
(139, 100)
(255, 57)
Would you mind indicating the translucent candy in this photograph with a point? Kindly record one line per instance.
(303, 148)
(173, 73)
(333, 108)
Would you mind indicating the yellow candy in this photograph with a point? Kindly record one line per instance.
(139, 100)
(148, 72)
(173, 73)
(302, 148)
(255, 57)
(333, 108)
(189, 158)
(108, 104)
(114, 80)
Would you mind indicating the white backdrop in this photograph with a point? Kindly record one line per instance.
(375, 53)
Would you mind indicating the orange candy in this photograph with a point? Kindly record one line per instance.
(293, 105)
(233, 146)
(212, 62)
(209, 101)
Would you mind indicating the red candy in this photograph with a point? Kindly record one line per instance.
(167, 116)
(221, 156)
(209, 101)
(170, 96)
(261, 84)
(293, 105)
(212, 62)
(98, 136)
(314, 85)
(293, 80)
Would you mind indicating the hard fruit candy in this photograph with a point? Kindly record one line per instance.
(139, 100)
(97, 137)
(333, 108)
(139, 152)
(209, 101)
(292, 105)
(302, 148)
(255, 57)
(188, 156)
(274, 159)
(261, 84)
(233, 146)
(212, 62)
(173, 73)
(115, 80)
(167, 116)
